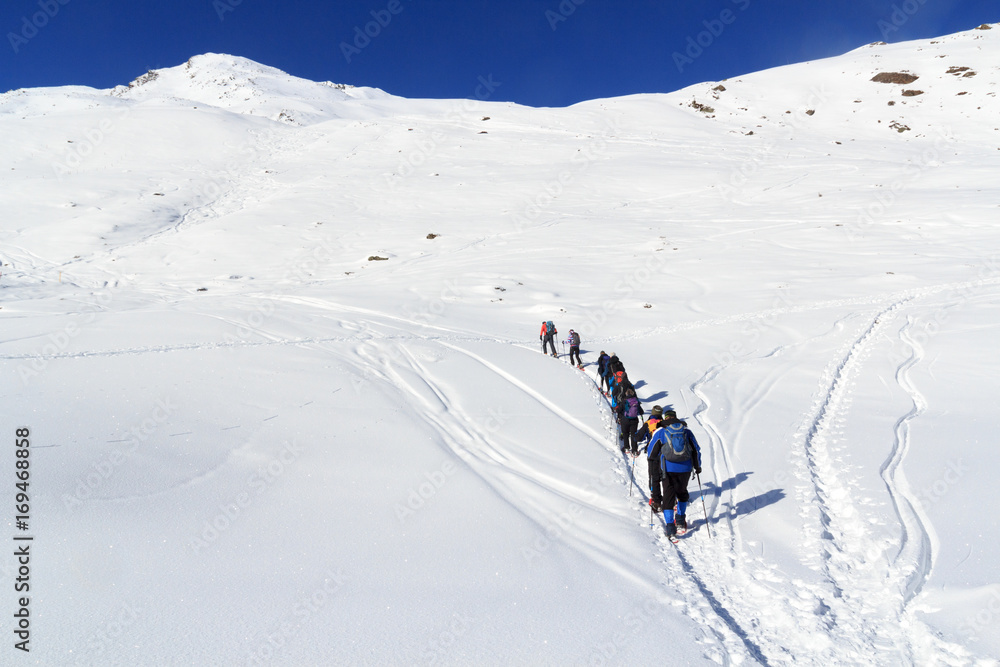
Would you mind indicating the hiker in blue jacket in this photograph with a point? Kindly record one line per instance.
(608, 375)
(679, 454)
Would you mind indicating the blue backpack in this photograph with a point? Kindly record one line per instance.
(550, 328)
(675, 448)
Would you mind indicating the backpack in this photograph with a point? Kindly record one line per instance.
(632, 409)
(675, 448)
(550, 328)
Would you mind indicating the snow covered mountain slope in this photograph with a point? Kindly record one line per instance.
(246, 87)
(274, 344)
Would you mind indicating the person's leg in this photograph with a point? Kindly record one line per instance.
(667, 481)
(655, 495)
(682, 497)
(633, 425)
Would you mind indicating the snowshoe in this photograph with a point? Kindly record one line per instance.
(671, 532)
(682, 524)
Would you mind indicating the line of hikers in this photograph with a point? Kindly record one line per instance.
(672, 452)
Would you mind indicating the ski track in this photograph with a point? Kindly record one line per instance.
(849, 602)
(723, 592)
(912, 564)
(837, 545)
(502, 471)
(463, 336)
(744, 586)
(694, 597)
(852, 595)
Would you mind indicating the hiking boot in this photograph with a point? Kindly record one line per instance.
(671, 530)
(681, 522)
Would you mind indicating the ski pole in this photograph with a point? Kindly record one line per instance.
(628, 466)
(631, 477)
(702, 494)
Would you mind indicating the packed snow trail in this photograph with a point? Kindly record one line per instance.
(848, 601)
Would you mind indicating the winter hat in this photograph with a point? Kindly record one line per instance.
(670, 413)
(657, 411)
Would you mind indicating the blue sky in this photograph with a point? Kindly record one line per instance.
(536, 52)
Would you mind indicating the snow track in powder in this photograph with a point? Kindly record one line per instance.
(744, 586)
(535, 494)
(838, 545)
(846, 602)
(836, 542)
(911, 565)
(728, 642)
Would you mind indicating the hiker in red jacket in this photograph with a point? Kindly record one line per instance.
(547, 336)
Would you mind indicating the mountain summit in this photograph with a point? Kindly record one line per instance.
(243, 86)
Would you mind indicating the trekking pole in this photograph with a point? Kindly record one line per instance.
(631, 477)
(702, 494)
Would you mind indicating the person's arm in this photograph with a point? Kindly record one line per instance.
(653, 450)
(695, 453)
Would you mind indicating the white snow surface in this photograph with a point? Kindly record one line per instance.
(253, 444)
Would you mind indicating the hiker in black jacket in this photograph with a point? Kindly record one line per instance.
(645, 434)
(574, 347)
(629, 410)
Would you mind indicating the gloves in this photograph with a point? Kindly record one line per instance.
(697, 470)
